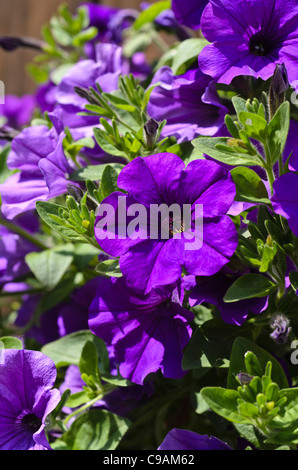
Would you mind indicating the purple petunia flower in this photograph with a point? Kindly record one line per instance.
(43, 169)
(213, 289)
(26, 399)
(167, 20)
(285, 199)
(147, 332)
(189, 12)
(149, 260)
(180, 439)
(110, 22)
(105, 71)
(18, 111)
(188, 102)
(291, 147)
(249, 38)
(46, 96)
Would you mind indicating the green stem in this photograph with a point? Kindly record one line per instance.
(268, 167)
(160, 43)
(23, 233)
(89, 404)
(83, 408)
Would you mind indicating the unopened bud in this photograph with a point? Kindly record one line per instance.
(151, 128)
(9, 43)
(86, 95)
(75, 192)
(8, 133)
(278, 87)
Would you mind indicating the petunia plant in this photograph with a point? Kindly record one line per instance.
(148, 231)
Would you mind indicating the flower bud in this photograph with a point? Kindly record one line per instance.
(278, 87)
(75, 192)
(151, 128)
(86, 95)
(7, 133)
(9, 43)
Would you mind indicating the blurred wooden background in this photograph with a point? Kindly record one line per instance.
(25, 18)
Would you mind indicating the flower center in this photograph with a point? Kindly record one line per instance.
(31, 422)
(259, 44)
(175, 226)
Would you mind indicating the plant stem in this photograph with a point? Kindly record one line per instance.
(268, 167)
(23, 233)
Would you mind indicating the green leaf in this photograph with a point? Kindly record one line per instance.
(77, 399)
(249, 186)
(252, 435)
(10, 342)
(52, 298)
(59, 72)
(119, 102)
(137, 43)
(84, 254)
(116, 380)
(209, 146)
(239, 104)
(294, 280)
(96, 430)
(93, 172)
(224, 402)
(49, 266)
(187, 51)
(254, 125)
(249, 286)
(108, 147)
(85, 36)
(49, 212)
(109, 181)
(252, 365)
(237, 362)
(149, 15)
(211, 345)
(65, 395)
(4, 171)
(68, 350)
(278, 130)
(88, 363)
(109, 268)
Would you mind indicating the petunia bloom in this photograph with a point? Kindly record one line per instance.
(188, 102)
(150, 258)
(18, 110)
(213, 289)
(249, 38)
(27, 397)
(147, 332)
(104, 70)
(189, 12)
(180, 439)
(43, 169)
(285, 199)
